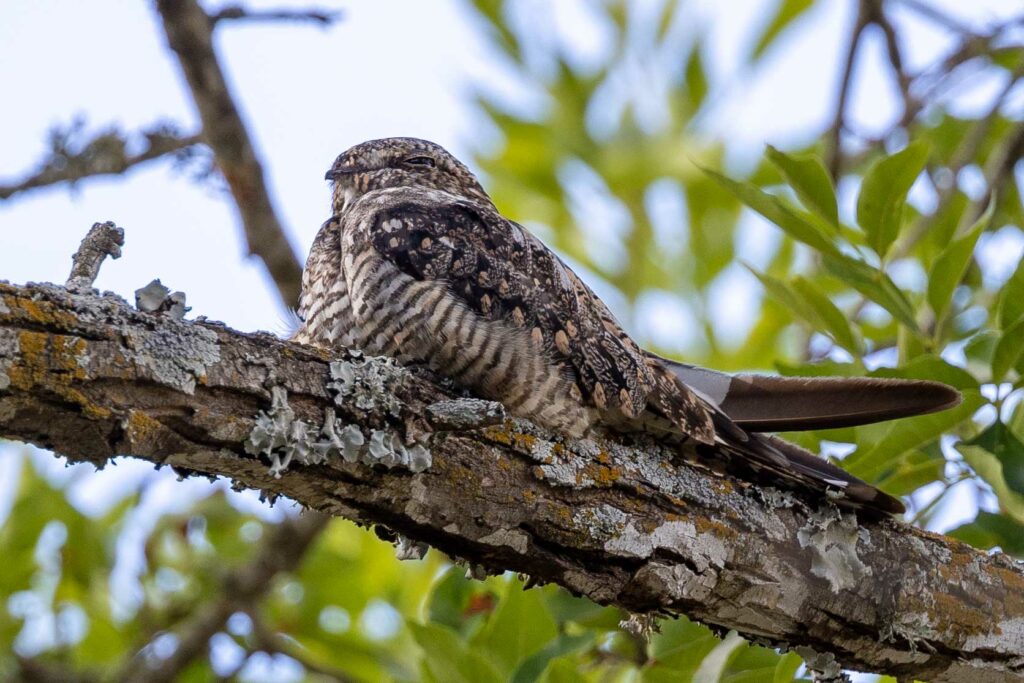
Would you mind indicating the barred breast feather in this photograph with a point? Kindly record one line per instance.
(432, 278)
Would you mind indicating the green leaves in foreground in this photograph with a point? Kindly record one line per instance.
(952, 262)
(809, 178)
(818, 227)
(955, 328)
(883, 195)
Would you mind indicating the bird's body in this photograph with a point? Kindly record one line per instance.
(418, 264)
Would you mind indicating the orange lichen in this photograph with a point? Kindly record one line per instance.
(40, 312)
(52, 362)
(141, 429)
(600, 475)
(704, 525)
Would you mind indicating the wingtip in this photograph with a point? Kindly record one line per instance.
(933, 396)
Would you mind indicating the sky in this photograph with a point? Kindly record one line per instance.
(390, 67)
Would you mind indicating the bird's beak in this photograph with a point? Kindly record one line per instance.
(341, 171)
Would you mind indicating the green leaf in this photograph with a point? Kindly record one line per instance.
(811, 181)
(532, 668)
(951, 264)
(989, 468)
(1001, 442)
(785, 670)
(449, 597)
(779, 212)
(834, 320)
(805, 299)
(562, 670)
(696, 78)
(872, 463)
(931, 367)
(520, 627)
(448, 658)
(884, 192)
(1011, 298)
(912, 471)
(875, 284)
(678, 650)
(989, 530)
(788, 12)
(1008, 350)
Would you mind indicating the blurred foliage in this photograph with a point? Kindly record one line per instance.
(593, 155)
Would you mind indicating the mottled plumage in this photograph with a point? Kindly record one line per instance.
(417, 263)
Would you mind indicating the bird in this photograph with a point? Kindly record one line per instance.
(416, 263)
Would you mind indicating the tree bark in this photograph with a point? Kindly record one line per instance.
(91, 378)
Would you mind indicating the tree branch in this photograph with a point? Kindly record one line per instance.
(282, 552)
(70, 160)
(834, 159)
(322, 17)
(92, 378)
(190, 35)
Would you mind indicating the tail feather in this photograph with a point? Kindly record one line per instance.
(738, 444)
(768, 403)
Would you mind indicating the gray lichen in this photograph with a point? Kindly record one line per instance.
(272, 436)
(282, 438)
(823, 665)
(157, 298)
(174, 355)
(911, 628)
(386, 448)
(338, 438)
(706, 551)
(516, 539)
(9, 348)
(832, 537)
(368, 383)
(463, 414)
(408, 549)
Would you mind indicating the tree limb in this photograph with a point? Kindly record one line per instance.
(321, 17)
(190, 35)
(834, 159)
(70, 160)
(91, 378)
(283, 551)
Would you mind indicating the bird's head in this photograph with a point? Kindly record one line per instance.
(399, 162)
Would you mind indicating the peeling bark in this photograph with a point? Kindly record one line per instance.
(92, 378)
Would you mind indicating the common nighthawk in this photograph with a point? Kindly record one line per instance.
(417, 263)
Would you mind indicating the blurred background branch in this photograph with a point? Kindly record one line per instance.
(190, 35)
(73, 156)
(240, 591)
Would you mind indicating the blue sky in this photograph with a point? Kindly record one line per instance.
(391, 67)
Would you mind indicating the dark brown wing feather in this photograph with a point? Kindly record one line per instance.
(501, 271)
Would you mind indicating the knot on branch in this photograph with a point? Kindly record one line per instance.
(103, 239)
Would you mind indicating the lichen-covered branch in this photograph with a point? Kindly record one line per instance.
(103, 240)
(91, 378)
(189, 32)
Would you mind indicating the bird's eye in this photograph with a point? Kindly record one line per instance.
(426, 162)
